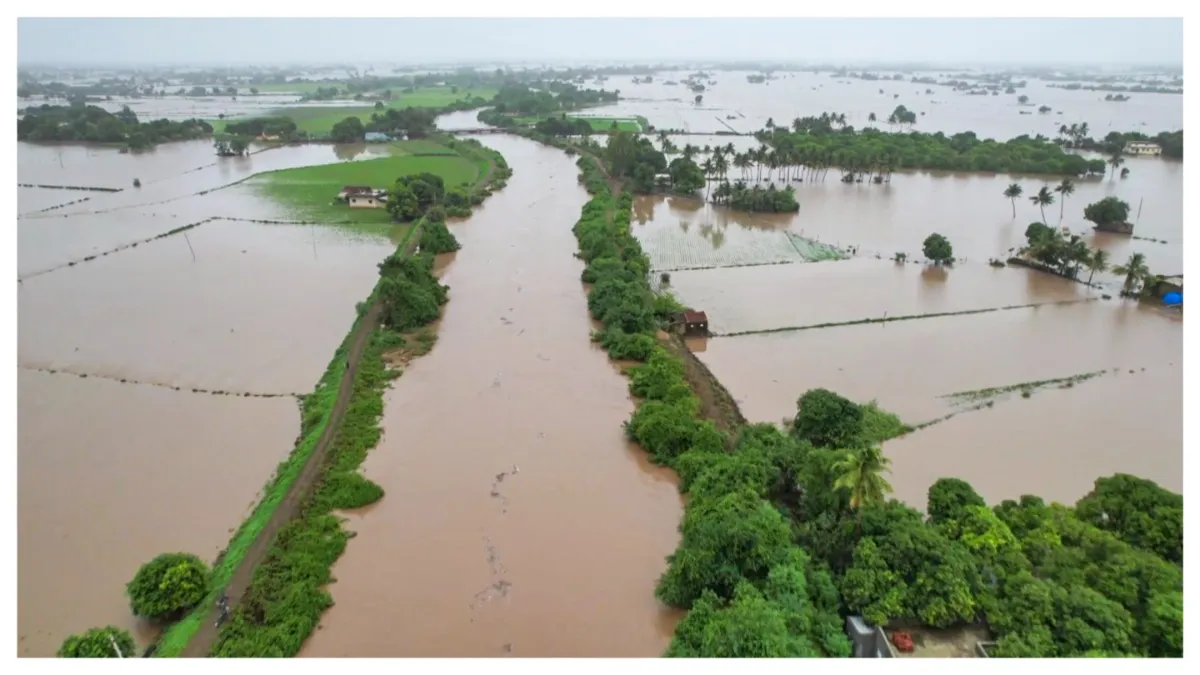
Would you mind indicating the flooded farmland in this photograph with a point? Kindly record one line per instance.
(517, 519)
(115, 446)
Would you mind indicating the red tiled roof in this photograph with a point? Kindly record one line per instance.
(350, 189)
(692, 316)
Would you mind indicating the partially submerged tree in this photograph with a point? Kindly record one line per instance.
(938, 249)
(108, 642)
(1012, 192)
(168, 586)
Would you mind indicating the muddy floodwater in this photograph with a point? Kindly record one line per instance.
(517, 519)
(112, 473)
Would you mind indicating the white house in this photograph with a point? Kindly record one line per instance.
(1142, 148)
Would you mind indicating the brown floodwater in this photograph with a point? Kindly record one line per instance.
(767, 297)
(880, 220)
(1054, 444)
(233, 306)
(110, 475)
(801, 94)
(517, 518)
(907, 365)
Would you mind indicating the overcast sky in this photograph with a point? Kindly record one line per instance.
(254, 41)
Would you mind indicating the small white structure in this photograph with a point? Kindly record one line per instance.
(1142, 148)
(368, 201)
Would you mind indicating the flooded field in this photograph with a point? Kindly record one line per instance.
(517, 519)
(110, 475)
(909, 366)
(969, 209)
(233, 306)
(942, 109)
(769, 297)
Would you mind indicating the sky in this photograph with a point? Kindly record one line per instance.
(310, 41)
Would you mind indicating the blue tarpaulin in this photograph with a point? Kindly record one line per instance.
(1173, 298)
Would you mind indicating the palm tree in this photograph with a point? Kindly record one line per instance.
(1066, 188)
(1043, 199)
(861, 472)
(1013, 191)
(1115, 162)
(1097, 263)
(1135, 271)
(871, 118)
(689, 151)
(663, 140)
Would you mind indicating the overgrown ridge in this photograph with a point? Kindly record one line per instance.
(296, 496)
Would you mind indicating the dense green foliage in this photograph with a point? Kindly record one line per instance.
(634, 158)
(279, 125)
(1138, 511)
(88, 123)
(413, 195)
(168, 586)
(1107, 211)
(436, 237)
(98, 643)
(755, 198)
(1115, 142)
(349, 130)
(937, 249)
(411, 295)
(818, 143)
(1060, 253)
(562, 125)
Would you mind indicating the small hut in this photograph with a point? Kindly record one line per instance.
(691, 323)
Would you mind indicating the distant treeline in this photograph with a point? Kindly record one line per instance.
(91, 124)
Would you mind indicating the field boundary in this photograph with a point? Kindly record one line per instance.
(903, 317)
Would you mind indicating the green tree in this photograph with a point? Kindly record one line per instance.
(168, 586)
(735, 537)
(1115, 161)
(1107, 211)
(1065, 189)
(1012, 192)
(402, 204)
(871, 118)
(828, 420)
(1138, 511)
(750, 626)
(1042, 199)
(860, 473)
(948, 499)
(349, 130)
(938, 249)
(108, 642)
(1135, 272)
(1098, 262)
(871, 588)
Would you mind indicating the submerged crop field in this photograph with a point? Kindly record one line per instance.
(698, 247)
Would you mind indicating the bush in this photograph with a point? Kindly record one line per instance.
(436, 237)
(168, 586)
(938, 249)
(97, 643)
(1106, 211)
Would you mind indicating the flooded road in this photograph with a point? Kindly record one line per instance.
(517, 519)
(234, 306)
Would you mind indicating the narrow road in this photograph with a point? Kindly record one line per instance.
(296, 496)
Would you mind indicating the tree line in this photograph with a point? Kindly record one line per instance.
(91, 124)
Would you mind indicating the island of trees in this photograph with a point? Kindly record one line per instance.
(91, 124)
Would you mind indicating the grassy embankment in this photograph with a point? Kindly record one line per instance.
(290, 582)
(634, 124)
(685, 420)
(318, 120)
(309, 193)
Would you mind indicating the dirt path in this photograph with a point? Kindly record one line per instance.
(202, 642)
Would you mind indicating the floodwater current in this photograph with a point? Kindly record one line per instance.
(517, 519)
